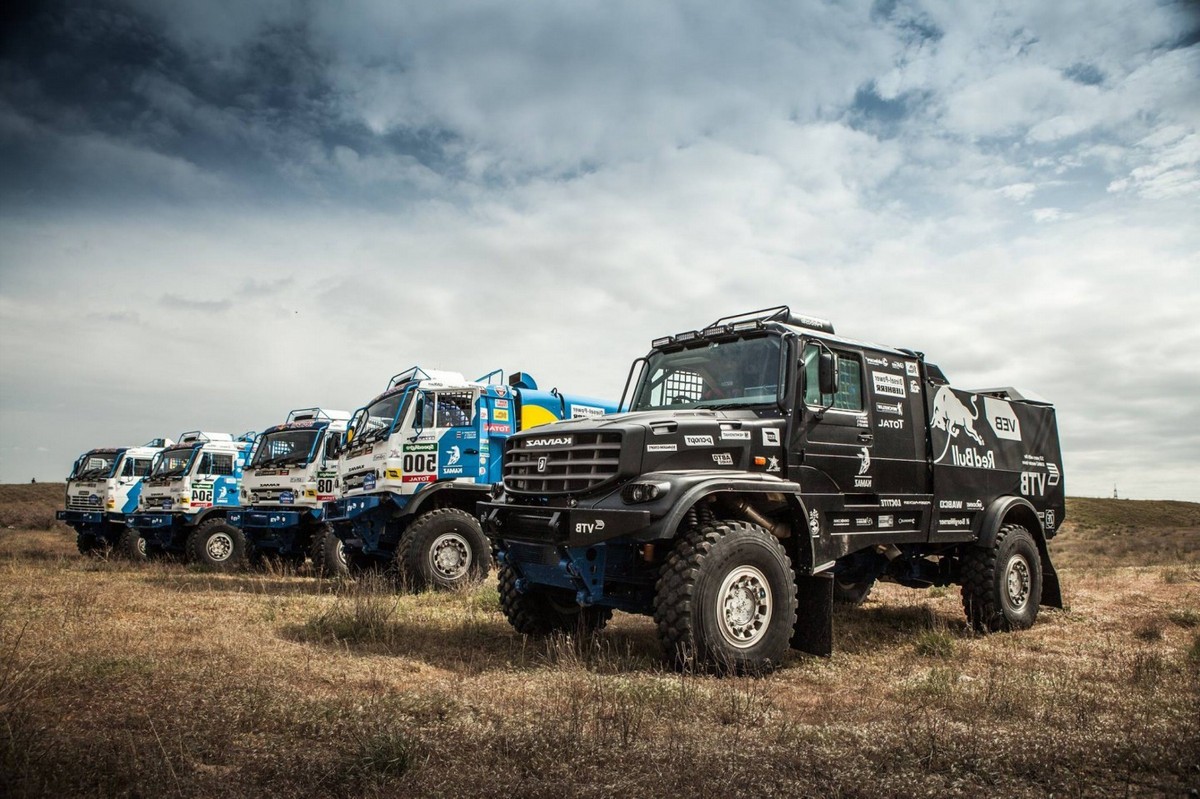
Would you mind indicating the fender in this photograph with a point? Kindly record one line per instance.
(688, 488)
(1020, 511)
(417, 503)
(191, 521)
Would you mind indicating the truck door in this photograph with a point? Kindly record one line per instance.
(498, 408)
(837, 436)
(453, 418)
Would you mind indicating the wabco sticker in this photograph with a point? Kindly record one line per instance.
(698, 441)
(770, 436)
(889, 385)
(722, 459)
(735, 435)
(661, 447)
(586, 412)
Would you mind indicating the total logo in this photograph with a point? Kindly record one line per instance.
(587, 528)
(892, 424)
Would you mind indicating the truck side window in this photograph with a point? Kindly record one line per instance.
(850, 394)
(141, 467)
(455, 409)
(222, 463)
(204, 466)
(127, 468)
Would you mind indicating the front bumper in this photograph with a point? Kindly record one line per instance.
(574, 527)
(266, 519)
(151, 521)
(80, 516)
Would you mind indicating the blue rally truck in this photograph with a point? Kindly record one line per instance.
(418, 458)
(767, 468)
(186, 500)
(285, 487)
(102, 490)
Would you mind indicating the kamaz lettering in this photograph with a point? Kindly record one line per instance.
(564, 441)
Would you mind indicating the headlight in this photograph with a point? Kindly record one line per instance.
(635, 493)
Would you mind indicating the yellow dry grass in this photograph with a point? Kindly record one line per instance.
(119, 680)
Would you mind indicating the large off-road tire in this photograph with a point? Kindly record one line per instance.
(92, 545)
(851, 591)
(1002, 584)
(218, 545)
(726, 600)
(132, 546)
(546, 610)
(328, 554)
(443, 549)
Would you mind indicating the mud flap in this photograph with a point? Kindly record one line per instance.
(813, 632)
(1051, 590)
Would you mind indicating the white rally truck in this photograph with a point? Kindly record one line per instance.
(418, 458)
(186, 500)
(102, 489)
(285, 487)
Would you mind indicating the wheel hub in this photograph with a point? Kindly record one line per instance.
(744, 607)
(1017, 582)
(340, 553)
(141, 545)
(450, 556)
(219, 546)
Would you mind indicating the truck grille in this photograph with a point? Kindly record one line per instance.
(588, 461)
(81, 503)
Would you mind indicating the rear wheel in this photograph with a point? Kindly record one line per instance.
(726, 599)
(850, 591)
(1002, 584)
(132, 545)
(95, 545)
(328, 554)
(547, 610)
(443, 549)
(218, 545)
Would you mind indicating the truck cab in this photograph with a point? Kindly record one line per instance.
(286, 484)
(186, 499)
(420, 455)
(767, 467)
(102, 489)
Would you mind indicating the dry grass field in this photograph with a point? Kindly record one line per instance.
(119, 680)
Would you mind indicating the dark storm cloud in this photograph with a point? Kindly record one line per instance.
(99, 97)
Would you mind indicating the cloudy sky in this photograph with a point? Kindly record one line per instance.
(213, 211)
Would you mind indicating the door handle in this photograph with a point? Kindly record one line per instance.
(470, 452)
(866, 438)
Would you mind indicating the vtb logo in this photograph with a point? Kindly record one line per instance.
(542, 464)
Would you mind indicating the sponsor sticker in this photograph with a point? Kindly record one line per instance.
(722, 459)
(501, 403)
(894, 408)
(698, 441)
(1002, 418)
(892, 424)
(661, 447)
(841, 521)
(500, 415)
(499, 428)
(420, 447)
(735, 435)
(876, 361)
(770, 437)
(887, 521)
(586, 412)
(910, 368)
(888, 384)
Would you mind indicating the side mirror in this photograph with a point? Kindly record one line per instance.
(827, 373)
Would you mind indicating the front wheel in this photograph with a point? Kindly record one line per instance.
(95, 545)
(726, 599)
(132, 545)
(443, 549)
(218, 545)
(328, 554)
(1002, 584)
(548, 610)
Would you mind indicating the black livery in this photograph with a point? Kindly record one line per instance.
(766, 469)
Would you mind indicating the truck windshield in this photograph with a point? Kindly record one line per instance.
(720, 374)
(376, 420)
(95, 465)
(285, 446)
(172, 462)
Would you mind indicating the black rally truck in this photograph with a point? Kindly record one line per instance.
(766, 469)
